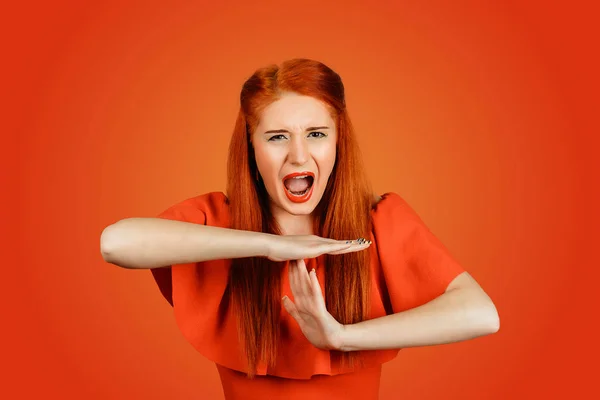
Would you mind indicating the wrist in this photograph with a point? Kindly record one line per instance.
(263, 242)
(343, 338)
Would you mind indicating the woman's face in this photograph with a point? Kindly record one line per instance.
(295, 149)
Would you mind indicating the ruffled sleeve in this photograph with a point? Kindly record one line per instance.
(410, 267)
(197, 291)
(415, 265)
(204, 209)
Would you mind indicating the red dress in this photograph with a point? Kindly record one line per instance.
(409, 265)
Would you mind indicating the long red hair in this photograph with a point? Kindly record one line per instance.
(342, 213)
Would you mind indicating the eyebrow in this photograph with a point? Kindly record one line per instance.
(312, 128)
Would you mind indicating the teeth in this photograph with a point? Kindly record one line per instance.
(297, 193)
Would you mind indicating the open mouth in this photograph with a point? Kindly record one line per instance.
(298, 186)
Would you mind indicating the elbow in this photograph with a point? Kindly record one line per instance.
(490, 315)
(110, 243)
(494, 321)
(482, 315)
(106, 243)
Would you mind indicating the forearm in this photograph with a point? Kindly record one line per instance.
(456, 315)
(154, 242)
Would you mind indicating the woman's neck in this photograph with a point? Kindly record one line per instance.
(293, 224)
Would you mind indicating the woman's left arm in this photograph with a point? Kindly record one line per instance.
(463, 312)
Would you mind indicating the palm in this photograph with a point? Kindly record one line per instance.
(294, 247)
(320, 331)
(308, 308)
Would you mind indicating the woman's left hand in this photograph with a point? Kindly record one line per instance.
(308, 308)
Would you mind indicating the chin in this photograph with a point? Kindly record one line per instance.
(303, 209)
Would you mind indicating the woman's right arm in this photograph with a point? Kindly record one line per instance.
(145, 243)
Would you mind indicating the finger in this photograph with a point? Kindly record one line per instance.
(347, 241)
(300, 286)
(327, 248)
(316, 288)
(299, 289)
(349, 244)
(335, 241)
(351, 249)
(303, 277)
(291, 308)
(342, 241)
(294, 285)
(361, 242)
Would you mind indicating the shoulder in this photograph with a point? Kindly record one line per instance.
(387, 202)
(376, 199)
(391, 212)
(416, 265)
(199, 209)
(212, 201)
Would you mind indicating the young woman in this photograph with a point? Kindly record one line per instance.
(270, 281)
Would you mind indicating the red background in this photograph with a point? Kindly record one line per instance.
(480, 114)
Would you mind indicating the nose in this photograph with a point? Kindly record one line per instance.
(298, 153)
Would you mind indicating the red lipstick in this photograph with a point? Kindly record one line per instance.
(304, 197)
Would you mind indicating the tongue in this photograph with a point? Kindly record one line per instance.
(297, 185)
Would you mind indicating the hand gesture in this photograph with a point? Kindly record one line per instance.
(308, 308)
(295, 247)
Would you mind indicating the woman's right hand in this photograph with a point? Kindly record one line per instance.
(295, 247)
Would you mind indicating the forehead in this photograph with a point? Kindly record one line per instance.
(295, 111)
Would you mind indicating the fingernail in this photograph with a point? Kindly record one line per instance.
(314, 271)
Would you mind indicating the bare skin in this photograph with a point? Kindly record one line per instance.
(146, 243)
(287, 141)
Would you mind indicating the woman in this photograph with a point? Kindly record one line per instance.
(267, 281)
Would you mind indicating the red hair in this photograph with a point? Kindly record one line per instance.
(343, 212)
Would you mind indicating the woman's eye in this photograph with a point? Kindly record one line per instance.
(275, 138)
(317, 134)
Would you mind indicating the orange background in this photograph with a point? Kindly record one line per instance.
(477, 114)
